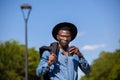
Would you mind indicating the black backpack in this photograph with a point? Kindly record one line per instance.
(53, 48)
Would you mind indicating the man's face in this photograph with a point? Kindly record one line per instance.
(64, 37)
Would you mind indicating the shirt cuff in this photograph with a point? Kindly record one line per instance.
(83, 62)
(46, 67)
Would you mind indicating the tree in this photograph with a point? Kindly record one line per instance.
(12, 61)
(106, 67)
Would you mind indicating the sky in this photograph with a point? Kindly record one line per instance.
(97, 21)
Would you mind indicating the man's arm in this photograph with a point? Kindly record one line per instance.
(42, 67)
(83, 64)
(46, 61)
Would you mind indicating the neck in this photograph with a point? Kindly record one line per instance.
(64, 49)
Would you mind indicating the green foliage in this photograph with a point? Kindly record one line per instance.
(12, 61)
(106, 67)
(33, 60)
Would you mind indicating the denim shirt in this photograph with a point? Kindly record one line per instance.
(65, 68)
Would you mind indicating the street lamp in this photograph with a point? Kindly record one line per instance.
(26, 9)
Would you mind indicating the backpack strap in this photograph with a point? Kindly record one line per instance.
(53, 48)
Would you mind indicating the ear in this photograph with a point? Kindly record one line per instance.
(57, 37)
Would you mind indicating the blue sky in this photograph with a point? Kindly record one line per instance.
(98, 23)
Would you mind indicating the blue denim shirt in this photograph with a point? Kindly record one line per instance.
(65, 68)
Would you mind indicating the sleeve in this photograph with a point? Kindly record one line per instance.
(42, 67)
(84, 66)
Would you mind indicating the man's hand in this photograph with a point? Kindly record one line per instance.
(51, 59)
(73, 49)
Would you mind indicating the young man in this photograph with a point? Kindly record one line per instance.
(63, 64)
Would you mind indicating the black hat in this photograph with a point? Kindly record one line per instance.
(73, 29)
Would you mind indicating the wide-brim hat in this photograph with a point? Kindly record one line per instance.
(73, 29)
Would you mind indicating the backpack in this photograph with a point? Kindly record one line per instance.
(53, 48)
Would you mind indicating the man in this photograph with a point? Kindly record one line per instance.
(63, 64)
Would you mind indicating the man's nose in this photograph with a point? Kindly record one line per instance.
(65, 38)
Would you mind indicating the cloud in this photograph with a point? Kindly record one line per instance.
(93, 47)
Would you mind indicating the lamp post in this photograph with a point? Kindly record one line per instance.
(26, 9)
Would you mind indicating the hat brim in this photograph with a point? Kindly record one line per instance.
(73, 29)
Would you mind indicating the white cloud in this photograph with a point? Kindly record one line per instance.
(93, 47)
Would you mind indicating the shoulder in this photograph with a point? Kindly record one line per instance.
(45, 54)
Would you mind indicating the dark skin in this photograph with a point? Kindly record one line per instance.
(64, 38)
